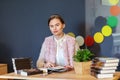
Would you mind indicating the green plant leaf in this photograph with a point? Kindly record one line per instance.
(83, 55)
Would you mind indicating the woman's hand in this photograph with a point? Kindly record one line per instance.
(49, 64)
(68, 67)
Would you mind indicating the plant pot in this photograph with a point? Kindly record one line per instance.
(82, 68)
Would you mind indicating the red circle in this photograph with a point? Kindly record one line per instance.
(89, 41)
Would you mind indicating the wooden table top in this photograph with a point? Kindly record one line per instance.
(57, 76)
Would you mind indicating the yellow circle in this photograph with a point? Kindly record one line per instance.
(71, 34)
(106, 30)
(114, 2)
(98, 37)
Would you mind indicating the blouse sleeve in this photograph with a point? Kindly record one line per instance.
(73, 47)
(40, 61)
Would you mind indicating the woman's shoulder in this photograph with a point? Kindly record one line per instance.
(49, 38)
(70, 39)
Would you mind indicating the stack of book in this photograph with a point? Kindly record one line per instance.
(104, 67)
(21, 63)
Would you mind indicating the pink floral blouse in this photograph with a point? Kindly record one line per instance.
(49, 50)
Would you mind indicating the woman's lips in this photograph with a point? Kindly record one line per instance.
(55, 31)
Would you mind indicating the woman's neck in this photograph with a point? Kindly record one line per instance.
(59, 36)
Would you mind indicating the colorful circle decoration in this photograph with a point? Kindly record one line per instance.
(114, 2)
(80, 40)
(89, 41)
(112, 21)
(71, 34)
(105, 25)
(106, 30)
(100, 21)
(115, 10)
(98, 37)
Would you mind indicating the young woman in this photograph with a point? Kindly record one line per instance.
(59, 48)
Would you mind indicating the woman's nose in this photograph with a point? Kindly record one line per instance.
(55, 28)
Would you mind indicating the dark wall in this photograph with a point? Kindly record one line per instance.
(23, 25)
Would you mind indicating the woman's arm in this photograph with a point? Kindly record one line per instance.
(72, 48)
(40, 61)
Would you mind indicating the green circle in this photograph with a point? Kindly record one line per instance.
(112, 21)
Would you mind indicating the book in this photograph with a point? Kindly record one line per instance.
(104, 68)
(97, 75)
(21, 63)
(104, 75)
(106, 59)
(27, 72)
(103, 71)
(57, 69)
(105, 64)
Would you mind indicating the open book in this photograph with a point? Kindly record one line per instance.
(54, 69)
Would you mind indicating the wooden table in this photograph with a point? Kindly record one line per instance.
(56, 76)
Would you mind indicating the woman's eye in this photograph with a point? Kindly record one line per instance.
(51, 26)
(57, 24)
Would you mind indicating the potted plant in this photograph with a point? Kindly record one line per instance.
(82, 61)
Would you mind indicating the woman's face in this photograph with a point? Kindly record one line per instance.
(56, 27)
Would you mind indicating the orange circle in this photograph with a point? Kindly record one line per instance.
(114, 10)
